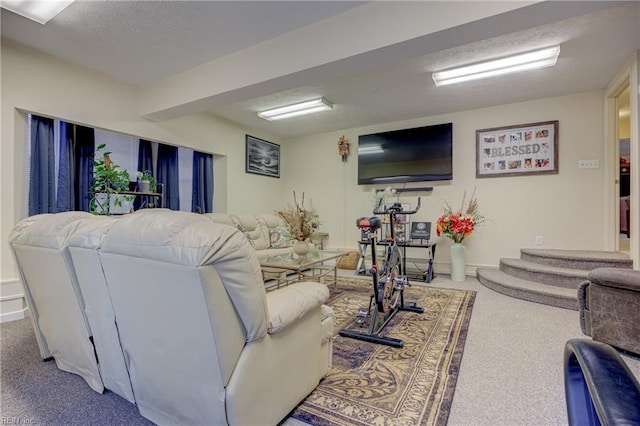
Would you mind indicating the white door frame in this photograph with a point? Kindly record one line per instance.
(628, 76)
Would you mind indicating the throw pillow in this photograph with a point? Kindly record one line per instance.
(280, 237)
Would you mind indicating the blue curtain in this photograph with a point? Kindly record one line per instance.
(84, 147)
(202, 184)
(145, 162)
(167, 174)
(65, 200)
(42, 196)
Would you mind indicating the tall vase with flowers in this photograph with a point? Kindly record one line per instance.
(301, 224)
(458, 225)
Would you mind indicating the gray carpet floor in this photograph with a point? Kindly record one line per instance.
(511, 371)
(36, 392)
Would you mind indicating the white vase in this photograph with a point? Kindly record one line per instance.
(143, 185)
(301, 248)
(457, 262)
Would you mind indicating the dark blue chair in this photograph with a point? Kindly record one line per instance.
(600, 388)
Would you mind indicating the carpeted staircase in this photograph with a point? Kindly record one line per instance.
(550, 277)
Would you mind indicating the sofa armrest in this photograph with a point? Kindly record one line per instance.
(625, 279)
(288, 304)
(599, 387)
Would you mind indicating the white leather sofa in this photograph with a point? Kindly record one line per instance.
(266, 231)
(201, 340)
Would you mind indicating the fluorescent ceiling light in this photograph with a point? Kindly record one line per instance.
(40, 11)
(522, 62)
(302, 108)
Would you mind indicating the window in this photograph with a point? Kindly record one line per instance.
(44, 154)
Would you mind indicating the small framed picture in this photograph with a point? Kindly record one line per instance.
(262, 157)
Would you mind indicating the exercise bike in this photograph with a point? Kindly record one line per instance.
(389, 281)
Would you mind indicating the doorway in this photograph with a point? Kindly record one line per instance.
(623, 106)
(622, 95)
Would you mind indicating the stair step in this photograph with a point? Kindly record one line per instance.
(577, 259)
(509, 285)
(545, 274)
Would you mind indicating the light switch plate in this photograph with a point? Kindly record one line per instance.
(587, 164)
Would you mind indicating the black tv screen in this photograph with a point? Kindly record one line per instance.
(408, 155)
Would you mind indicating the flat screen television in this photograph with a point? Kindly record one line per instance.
(409, 155)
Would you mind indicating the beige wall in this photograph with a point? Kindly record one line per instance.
(566, 209)
(37, 83)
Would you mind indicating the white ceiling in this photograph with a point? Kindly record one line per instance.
(373, 60)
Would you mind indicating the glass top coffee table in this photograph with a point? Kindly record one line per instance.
(317, 265)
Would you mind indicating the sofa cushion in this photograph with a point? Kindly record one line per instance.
(271, 222)
(255, 232)
(225, 218)
(44, 230)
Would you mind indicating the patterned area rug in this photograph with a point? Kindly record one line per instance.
(372, 384)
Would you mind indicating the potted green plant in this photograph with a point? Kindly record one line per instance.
(146, 181)
(108, 183)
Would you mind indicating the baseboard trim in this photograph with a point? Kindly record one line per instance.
(11, 297)
(14, 316)
(440, 267)
(5, 301)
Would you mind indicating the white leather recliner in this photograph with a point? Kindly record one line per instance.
(53, 296)
(203, 342)
(84, 237)
(68, 299)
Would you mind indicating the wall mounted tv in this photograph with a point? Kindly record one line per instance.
(409, 155)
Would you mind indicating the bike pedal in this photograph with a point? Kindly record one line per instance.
(361, 316)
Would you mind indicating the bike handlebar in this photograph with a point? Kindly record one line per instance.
(397, 208)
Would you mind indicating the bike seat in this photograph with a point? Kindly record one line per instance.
(371, 223)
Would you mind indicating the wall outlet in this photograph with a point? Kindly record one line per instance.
(587, 164)
(539, 240)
